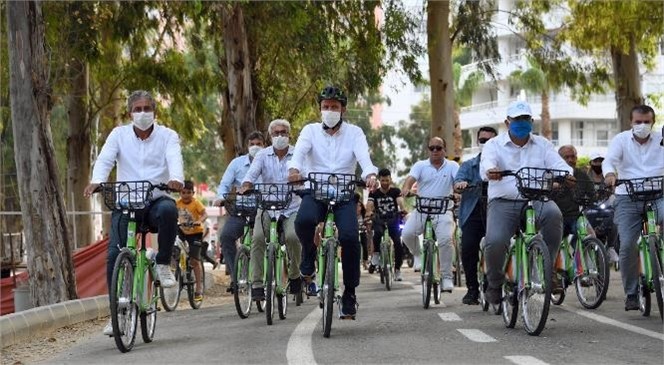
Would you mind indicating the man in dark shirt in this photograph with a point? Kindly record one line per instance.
(388, 202)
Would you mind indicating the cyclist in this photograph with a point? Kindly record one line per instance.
(270, 166)
(191, 217)
(633, 154)
(595, 173)
(435, 178)
(595, 167)
(143, 150)
(472, 216)
(386, 199)
(332, 146)
(232, 179)
(512, 150)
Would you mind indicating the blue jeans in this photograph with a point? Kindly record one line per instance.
(233, 229)
(313, 212)
(162, 217)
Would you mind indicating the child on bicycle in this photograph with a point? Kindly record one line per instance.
(191, 216)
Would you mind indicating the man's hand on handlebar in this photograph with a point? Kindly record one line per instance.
(460, 186)
(494, 174)
(87, 192)
(610, 180)
(175, 185)
(294, 175)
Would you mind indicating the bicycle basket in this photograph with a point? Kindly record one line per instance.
(644, 189)
(241, 205)
(274, 196)
(328, 187)
(426, 205)
(126, 195)
(536, 183)
(603, 191)
(585, 193)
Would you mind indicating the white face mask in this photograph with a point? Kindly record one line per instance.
(641, 130)
(330, 118)
(143, 120)
(481, 145)
(280, 142)
(253, 150)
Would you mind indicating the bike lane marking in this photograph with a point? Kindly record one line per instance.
(525, 360)
(476, 335)
(610, 321)
(449, 317)
(299, 350)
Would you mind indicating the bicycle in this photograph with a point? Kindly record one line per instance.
(275, 198)
(244, 206)
(133, 286)
(651, 250)
(457, 265)
(184, 275)
(431, 277)
(386, 268)
(585, 265)
(527, 266)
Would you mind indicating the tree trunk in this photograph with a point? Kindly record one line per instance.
(239, 98)
(546, 115)
(458, 139)
(440, 72)
(51, 270)
(78, 153)
(627, 83)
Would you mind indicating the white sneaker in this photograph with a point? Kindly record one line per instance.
(375, 259)
(108, 330)
(417, 266)
(448, 285)
(613, 255)
(166, 277)
(397, 275)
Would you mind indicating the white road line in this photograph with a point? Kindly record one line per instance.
(299, 350)
(449, 317)
(476, 335)
(525, 360)
(613, 322)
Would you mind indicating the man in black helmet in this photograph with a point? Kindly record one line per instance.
(332, 146)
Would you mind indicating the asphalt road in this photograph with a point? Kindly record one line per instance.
(393, 328)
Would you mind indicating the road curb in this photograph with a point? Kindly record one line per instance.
(16, 327)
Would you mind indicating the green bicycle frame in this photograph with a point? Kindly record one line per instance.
(328, 236)
(274, 242)
(246, 243)
(649, 230)
(428, 239)
(142, 265)
(518, 260)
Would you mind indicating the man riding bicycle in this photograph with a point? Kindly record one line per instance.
(332, 146)
(143, 150)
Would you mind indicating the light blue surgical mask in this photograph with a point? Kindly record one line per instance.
(520, 128)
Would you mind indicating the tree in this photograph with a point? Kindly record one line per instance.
(415, 134)
(535, 81)
(51, 273)
(463, 95)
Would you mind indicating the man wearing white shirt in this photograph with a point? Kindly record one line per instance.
(333, 146)
(142, 150)
(632, 154)
(270, 166)
(513, 150)
(435, 179)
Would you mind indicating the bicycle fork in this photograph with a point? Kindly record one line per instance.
(328, 234)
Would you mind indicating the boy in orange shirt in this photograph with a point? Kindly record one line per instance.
(191, 218)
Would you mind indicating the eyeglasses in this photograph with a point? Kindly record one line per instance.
(145, 109)
(435, 148)
(279, 133)
(642, 122)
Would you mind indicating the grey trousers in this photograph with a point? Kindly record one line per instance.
(258, 245)
(627, 218)
(503, 219)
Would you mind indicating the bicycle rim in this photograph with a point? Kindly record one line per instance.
(482, 283)
(270, 284)
(282, 299)
(170, 297)
(427, 278)
(328, 288)
(644, 297)
(191, 289)
(509, 306)
(124, 313)
(387, 273)
(657, 276)
(592, 285)
(536, 296)
(242, 292)
(149, 316)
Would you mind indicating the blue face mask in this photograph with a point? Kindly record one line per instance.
(520, 128)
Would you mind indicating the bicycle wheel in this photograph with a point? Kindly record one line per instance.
(437, 285)
(657, 276)
(191, 288)
(386, 274)
(509, 306)
(536, 296)
(559, 298)
(242, 292)
(282, 298)
(124, 312)
(482, 282)
(170, 297)
(149, 316)
(270, 284)
(427, 275)
(457, 268)
(328, 286)
(644, 297)
(592, 285)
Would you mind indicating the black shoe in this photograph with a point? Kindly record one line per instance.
(493, 295)
(231, 288)
(295, 285)
(471, 297)
(257, 294)
(371, 269)
(632, 302)
(348, 306)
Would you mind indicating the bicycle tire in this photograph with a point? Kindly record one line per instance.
(282, 299)
(242, 290)
(328, 287)
(385, 258)
(170, 297)
(149, 317)
(509, 306)
(558, 299)
(124, 312)
(482, 283)
(458, 264)
(427, 276)
(598, 281)
(270, 285)
(657, 275)
(644, 297)
(537, 295)
(191, 289)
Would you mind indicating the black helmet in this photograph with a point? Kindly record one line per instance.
(332, 93)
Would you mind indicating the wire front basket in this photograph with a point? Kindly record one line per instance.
(426, 205)
(587, 193)
(126, 195)
(274, 196)
(644, 189)
(536, 183)
(328, 187)
(242, 205)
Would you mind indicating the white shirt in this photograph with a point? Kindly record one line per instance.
(434, 182)
(317, 151)
(157, 159)
(501, 153)
(631, 159)
(270, 169)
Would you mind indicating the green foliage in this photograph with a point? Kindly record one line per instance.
(415, 135)
(472, 28)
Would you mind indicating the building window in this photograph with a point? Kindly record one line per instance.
(602, 137)
(554, 133)
(579, 134)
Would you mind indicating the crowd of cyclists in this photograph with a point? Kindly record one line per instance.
(490, 206)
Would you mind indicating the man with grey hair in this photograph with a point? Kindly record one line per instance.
(271, 166)
(142, 150)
